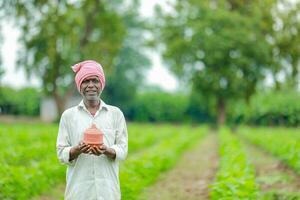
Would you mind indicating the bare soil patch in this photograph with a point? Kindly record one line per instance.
(276, 180)
(192, 175)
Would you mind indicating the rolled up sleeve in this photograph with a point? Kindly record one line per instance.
(121, 142)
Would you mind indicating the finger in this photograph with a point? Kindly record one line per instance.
(82, 145)
(85, 146)
(100, 150)
(90, 149)
(85, 149)
(96, 152)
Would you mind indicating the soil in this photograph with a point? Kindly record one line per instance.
(192, 175)
(275, 179)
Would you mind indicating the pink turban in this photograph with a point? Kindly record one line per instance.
(88, 68)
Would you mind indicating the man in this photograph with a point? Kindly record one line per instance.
(93, 172)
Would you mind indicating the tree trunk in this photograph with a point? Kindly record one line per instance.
(61, 101)
(60, 104)
(221, 109)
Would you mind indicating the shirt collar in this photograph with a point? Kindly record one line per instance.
(81, 105)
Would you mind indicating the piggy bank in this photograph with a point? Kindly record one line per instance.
(93, 136)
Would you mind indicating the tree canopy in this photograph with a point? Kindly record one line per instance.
(222, 47)
(58, 34)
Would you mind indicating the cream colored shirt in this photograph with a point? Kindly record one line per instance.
(91, 177)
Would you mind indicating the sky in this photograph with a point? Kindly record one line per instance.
(158, 74)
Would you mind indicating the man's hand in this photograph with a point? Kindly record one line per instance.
(103, 149)
(79, 149)
(99, 149)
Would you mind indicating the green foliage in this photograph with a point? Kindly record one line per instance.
(221, 48)
(25, 101)
(2, 71)
(282, 142)
(159, 107)
(269, 108)
(287, 53)
(235, 178)
(138, 142)
(29, 165)
(129, 65)
(62, 34)
(143, 168)
(199, 108)
(59, 34)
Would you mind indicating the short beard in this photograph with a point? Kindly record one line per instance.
(92, 98)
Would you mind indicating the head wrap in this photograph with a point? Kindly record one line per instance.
(88, 68)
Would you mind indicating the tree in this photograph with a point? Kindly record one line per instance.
(221, 47)
(129, 65)
(56, 34)
(287, 40)
(2, 71)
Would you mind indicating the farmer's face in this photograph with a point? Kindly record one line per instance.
(90, 88)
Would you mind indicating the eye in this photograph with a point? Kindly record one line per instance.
(95, 80)
(85, 81)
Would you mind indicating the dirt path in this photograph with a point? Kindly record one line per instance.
(275, 179)
(190, 178)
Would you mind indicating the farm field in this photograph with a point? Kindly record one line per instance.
(210, 91)
(254, 163)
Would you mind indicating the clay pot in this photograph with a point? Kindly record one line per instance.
(93, 136)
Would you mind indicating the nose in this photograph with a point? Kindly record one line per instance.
(90, 84)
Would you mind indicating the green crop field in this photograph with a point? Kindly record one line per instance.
(29, 166)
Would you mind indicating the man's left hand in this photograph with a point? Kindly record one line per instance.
(99, 149)
(103, 149)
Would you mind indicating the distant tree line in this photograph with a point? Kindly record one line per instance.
(221, 51)
(25, 101)
(271, 108)
(264, 108)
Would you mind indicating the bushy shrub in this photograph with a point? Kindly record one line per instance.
(271, 108)
(159, 107)
(25, 101)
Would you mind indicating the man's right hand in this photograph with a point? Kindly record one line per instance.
(79, 149)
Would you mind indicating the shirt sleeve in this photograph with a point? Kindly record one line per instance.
(121, 142)
(63, 144)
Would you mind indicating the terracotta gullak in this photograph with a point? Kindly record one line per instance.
(93, 136)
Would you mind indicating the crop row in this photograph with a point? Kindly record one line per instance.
(29, 165)
(235, 178)
(284, 143)
(142, 169)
